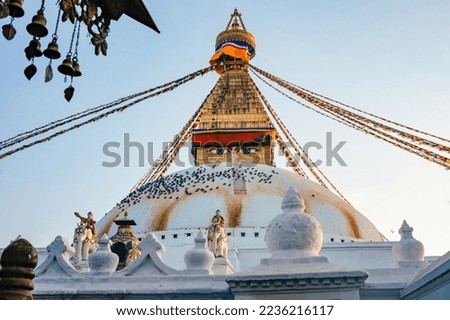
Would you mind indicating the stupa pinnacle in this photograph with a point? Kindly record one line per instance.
(234, 43)
(234, 126)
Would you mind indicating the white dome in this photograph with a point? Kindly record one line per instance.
(247, 196)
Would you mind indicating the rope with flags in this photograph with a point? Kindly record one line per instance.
(339, 119)
(55, 124)
(371, 114)
(167, 157)
(290, 157)
(315, 171)
(108, 108)
(399, 138)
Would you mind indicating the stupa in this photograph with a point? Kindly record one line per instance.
(233, 147)
(318, 246)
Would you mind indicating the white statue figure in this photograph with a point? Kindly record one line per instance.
(217, 236)
(84, 238)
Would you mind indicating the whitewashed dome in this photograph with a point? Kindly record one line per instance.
(247, 196)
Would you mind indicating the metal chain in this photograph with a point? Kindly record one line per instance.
(69, 54)
(55, 34)
(75, 56)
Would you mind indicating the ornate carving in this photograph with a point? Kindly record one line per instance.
(58, 262)
(97, 16)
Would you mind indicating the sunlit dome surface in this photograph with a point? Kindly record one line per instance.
(248, 196)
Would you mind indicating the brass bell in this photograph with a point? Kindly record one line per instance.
(4, 10)
(76, 68)
(66, 67)
(33, 50)
(15, 8)
(37, 26)
(52, 51)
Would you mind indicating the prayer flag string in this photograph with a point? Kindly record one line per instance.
(316, 172)
(165, 160)
(406, 141)
(146, 95)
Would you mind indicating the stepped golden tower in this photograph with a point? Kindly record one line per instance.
(234, 126)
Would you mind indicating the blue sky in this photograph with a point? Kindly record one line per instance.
(391, 58)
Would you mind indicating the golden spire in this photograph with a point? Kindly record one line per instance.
(234, 41)
(235, 21)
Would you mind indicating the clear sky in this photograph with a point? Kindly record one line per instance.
(389, 57)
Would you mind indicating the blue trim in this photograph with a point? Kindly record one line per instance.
(241, 44)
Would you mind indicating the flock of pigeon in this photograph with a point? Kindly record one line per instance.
(203, 179)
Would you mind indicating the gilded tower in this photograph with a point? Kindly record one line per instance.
(234, 126)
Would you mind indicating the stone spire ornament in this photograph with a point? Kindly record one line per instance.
(408, 252)
(103, 262)
(294, 233)
(292, 201)
(294, 239)
(199, 260)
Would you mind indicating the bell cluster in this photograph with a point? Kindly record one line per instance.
(37, 28)
(96, 16)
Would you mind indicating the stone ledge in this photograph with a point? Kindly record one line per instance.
(296, 281)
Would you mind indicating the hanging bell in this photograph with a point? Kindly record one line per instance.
(66, 67)
(76, 68)
(68, 93)
(15, 8)
(8, 31)
(33, 49)
(4, 10)
(37, 26)
(52, 51)
(30, 71)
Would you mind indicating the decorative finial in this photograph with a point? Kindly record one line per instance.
(103, 262)
(408, 252)
(235, 41)
(292, 200)
(405, 230)
(236, 21)
(293, 232)
(199, 260)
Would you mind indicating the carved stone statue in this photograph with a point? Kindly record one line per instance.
(89, 222)
(84, 239)
(217, 236)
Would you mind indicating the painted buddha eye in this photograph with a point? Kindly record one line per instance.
(248, 150)
(219, 151)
